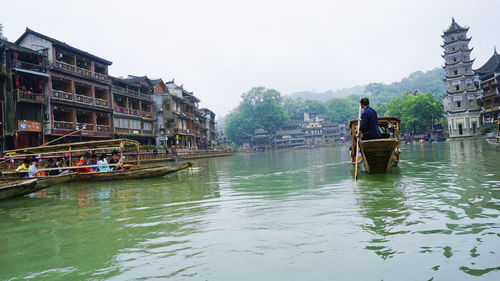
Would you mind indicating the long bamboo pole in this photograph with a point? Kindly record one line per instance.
(72, 133)
(358, 134)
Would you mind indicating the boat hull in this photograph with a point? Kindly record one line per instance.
(41, 183)
(134, 173)
(379, 155)
(15, 188)
(494, 142)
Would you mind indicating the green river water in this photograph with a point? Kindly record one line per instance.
(286, 215)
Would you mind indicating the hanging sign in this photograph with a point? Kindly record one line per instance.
(29, 126)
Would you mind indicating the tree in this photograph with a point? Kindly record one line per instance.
(417, 112)
(261, 108)
(342, 110)
(1, 33)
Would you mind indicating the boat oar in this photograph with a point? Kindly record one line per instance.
(357, 146)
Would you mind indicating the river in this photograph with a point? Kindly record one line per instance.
(285, 215)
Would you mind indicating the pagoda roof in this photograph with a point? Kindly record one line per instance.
(459, 62)
(456, 51)
(454, 28)
(63, 45)
(492, 65)
(455, 41)
(462, 92)
(15, 47)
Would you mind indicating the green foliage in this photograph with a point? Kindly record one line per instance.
(430, 81)
(261, 108)
(417, 112)
(341, 110)
(1, 33)
(489, 128)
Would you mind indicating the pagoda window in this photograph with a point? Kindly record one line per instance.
(454, 59)
(455, 72)
(457, 87)
(459, 104)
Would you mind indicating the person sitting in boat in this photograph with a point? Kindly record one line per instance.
(103, 164)
(93, 161)
(83, 162)
(51, 165)
(369, 121)
(33, 169)
(116, 160)
(22, 170)
(60, 164)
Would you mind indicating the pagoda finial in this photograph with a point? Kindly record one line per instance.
(453, 20)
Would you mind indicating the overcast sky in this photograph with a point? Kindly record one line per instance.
(221, 48)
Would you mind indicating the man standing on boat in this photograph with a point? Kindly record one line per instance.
(369, 121)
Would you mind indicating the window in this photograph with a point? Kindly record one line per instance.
(457, 87)
(455, 72)
(458, 104)
(147, 126)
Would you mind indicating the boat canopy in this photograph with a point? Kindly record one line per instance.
(76, 146)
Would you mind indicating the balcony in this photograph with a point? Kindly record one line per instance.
(62, 95)
(80, 71)
(101, 102)
(64, 125)
(30, 97)
(30, 66)
(83, 99)
(103, 128)
(132, 111)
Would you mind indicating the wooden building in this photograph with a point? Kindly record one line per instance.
(23, 99)
(133, 108)
(489, 77)
(79, 96)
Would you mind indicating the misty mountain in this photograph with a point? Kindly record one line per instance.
(429, 81)
(341, 93)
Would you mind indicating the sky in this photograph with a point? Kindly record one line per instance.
(220, 49)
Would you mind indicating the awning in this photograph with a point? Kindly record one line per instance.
(32, 72)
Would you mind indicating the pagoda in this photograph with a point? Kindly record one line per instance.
(460, 106)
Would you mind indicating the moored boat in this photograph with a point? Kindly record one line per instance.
(134, 173)
(15, 188)
(495, 141)
(41, 183)
(378, 155)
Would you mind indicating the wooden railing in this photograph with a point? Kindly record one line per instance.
(62, 95)
(103, 128)
(79, 70)
(101, 102)
(64, 125)
(132, 111)
(30, 66)
(35, 97)
(84, 99)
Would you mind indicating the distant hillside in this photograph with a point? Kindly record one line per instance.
(429, 81)
(341, 93)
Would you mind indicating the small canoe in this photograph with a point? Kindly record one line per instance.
(41, 182)
(379, 155)
(15, 188)
(134, 173)
(494, 142)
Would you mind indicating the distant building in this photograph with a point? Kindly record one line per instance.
(209, 126)
(79, 95)
(290, 135)
(133, 108)
(460, 106)
(261, 141)
(23, 100)
(489, 78)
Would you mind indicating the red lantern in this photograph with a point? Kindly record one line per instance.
(18, 81)
(16, 134)
(40, 85)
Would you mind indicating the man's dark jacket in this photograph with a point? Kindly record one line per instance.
(369, 121)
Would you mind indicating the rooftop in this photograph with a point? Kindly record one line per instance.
(492, 65)
(63, 45)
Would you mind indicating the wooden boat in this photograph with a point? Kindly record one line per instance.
(44, 182)
(15, 188)
(134, 173)
(495, 141)
(72, 150)
(378, 155)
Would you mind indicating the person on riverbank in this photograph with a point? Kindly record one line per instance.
(369, 121)
(82, 162)
(103, 164)
(22, 170)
